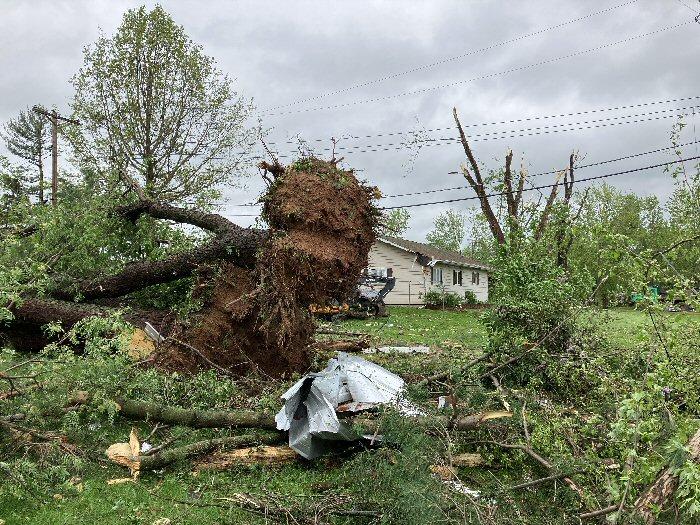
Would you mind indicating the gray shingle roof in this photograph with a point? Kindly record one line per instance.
(433, 253)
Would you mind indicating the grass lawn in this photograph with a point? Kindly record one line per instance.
(75, 491)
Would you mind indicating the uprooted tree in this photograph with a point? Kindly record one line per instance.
(255, 286)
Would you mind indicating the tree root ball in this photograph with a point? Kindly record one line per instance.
(322, 225)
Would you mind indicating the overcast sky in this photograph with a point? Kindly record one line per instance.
(378, 68)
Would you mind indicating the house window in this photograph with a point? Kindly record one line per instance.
(436, 275)
(475, 277)
(380, 272)
(457, 277)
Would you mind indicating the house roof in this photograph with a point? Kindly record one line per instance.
(433, 253)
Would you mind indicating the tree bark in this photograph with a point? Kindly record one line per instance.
(661, 492)
(141, 410)
(232, 243)
(168, 457)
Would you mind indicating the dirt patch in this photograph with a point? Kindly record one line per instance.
(322, 226)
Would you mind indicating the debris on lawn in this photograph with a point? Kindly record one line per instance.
(348, 384)
(398, 350)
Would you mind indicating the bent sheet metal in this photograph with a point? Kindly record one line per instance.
(348, 384)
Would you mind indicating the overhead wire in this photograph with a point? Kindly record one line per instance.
(455, 57)
(504, 134)
(541, 173)
(485, 76)
(543, 186)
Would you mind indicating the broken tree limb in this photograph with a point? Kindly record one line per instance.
(140, 463)
(469, 422)
(260, 455)
(195, 418)
(538, 481)
(657, 496)
(542, 461)
(239, 248)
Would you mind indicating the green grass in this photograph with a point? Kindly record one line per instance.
(176, 493)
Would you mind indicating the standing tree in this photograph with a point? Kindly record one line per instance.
(448, 231)
(520, 218)
(28, 137)
(154, 107)
(395, 222)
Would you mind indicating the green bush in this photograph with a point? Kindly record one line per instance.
(442, 299)
(470, 297)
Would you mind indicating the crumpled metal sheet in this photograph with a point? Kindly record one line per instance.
(348, 384)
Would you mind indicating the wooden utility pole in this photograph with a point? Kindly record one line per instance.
(54, 117)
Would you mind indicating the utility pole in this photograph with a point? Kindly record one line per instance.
(54, 117)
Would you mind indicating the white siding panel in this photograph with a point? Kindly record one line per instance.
(410, 281)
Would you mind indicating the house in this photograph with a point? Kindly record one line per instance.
(419, 268)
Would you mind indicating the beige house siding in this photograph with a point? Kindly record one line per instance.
(412, 279)
(481, 290)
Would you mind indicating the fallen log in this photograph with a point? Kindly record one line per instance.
(265, 455)
(657, 496)
(139, 463)
(141, 410)
(463, 423)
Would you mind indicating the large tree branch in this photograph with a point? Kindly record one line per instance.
(232, 243)
(477, 184)
(544, 218)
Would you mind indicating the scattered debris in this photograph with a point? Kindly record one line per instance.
(398, 350)
(348, 384)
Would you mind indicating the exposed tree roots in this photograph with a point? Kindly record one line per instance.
(256, 297)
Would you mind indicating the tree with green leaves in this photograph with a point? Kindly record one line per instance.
(395, 222)
(448, 231)
(28, 137)
(156, 110)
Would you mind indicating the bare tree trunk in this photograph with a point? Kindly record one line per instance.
(476, 182)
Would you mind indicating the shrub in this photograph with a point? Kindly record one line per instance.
(470, 297)
(442, 299)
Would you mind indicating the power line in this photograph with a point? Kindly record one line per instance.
(539, 174)
(498, 194)
(455, 57)
(496, 135)
(497, 123)
(482, 77)
(551, 172)
(406, 145)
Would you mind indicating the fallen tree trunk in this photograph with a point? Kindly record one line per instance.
(170, 456)
(195, 418)
(256, 297)
(657, 497)
(260, 455)
(141, 410)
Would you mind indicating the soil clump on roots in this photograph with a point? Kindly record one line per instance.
(322, 225)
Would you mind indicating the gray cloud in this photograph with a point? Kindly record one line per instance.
(282, 52)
